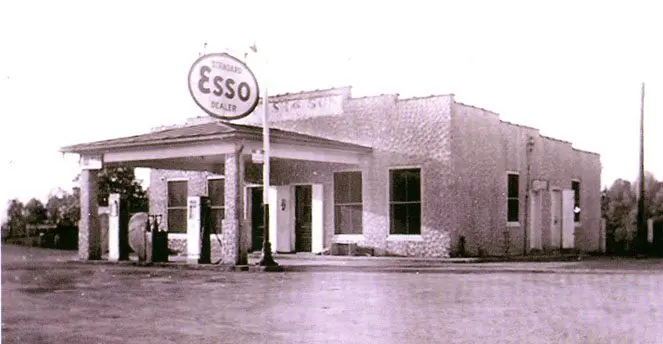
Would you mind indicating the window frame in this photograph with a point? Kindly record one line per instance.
(348, 204)
(405, 236)
(509, 221)
(212, 207)
(183, 207)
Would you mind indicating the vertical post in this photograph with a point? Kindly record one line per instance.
(89, 234)
(232, 224)
(642, 221)
(267, 258)
(529, 146)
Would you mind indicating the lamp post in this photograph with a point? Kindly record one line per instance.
(267, 259)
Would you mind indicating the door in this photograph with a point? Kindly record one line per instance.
(556, 218)
(257, 219)
(568, 226)
(303, 218)
(535, 221)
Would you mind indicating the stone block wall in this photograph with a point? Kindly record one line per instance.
(588, 171)
(484, 150)
(464, 153)
(403, 133)
(158, 195)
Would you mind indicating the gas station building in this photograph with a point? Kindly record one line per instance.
(422, 177)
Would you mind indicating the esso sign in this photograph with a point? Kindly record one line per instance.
(223, 86)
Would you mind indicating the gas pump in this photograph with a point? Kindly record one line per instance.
(159, 238)
(118, 228)
(198, 230)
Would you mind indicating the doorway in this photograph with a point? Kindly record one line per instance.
(257, 218)
(556, 219)
(303, 218)
(535, 242)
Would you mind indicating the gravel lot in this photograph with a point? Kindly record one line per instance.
(48, 300)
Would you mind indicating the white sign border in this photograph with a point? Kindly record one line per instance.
(224, 118)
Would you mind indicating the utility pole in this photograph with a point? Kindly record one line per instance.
(641, 235)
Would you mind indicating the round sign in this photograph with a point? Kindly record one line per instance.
(223, 86)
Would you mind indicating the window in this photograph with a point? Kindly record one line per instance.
(348, 206)
(405, 201)
(575, 185)
(512, 197)
(177, 194)
(217, 201)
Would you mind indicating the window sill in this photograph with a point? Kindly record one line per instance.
(405, 237)
(577, 224)
(513, 224)
(347, 238)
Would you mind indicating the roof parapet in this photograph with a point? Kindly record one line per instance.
(345, 91)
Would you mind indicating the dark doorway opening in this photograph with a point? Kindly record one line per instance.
(303, 218)
(257, 216)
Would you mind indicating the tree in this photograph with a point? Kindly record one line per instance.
(15, 218)
(619, 208)
(35, 212)
(620, 216)
(63, 208)
(122, 180)
(53, 204)
(652, 187)
(656, 206)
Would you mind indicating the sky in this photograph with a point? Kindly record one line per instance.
(81, 71)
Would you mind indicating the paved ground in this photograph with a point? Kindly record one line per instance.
(46, 299)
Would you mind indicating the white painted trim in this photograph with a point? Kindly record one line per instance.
(405, 237)
(302, 152)
(168, 152)
(215, 177)
(421, 198)
(177, 179)
(317, 218)
(178, 164)
(513, 224)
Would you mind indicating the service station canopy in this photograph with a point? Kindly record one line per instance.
(203, 147)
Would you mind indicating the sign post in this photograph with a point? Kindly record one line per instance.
(267, 259)
(225, 88)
